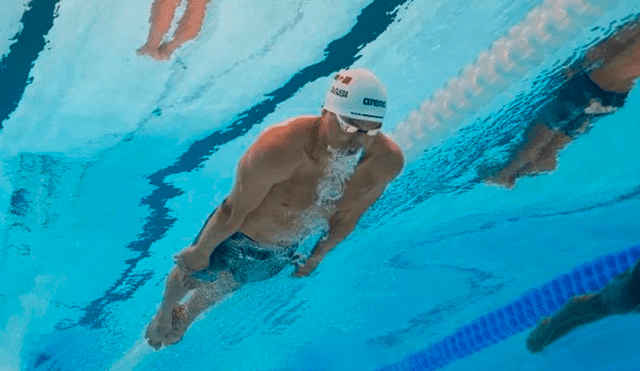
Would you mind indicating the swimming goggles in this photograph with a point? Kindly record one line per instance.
(350, 129)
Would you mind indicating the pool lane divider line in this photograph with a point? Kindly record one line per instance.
(15, 67)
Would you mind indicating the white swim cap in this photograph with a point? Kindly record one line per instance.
(357, 94)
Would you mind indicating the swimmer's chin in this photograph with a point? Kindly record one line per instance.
(348, 151)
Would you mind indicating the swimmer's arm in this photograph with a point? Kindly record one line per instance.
(271, 160)
(340, 227)
(343, 222)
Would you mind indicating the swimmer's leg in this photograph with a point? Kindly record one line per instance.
(622, 294)
(178, 285)
(633, 289)
(206, 295)
(162, 13)
(188, 28)
(538, 137)
(577, 311)
(548, 159)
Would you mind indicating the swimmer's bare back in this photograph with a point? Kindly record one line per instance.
(619, 56)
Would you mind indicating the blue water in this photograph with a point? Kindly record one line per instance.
(112, 162)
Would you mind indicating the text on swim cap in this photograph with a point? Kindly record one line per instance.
(374, 102)
(339, 92)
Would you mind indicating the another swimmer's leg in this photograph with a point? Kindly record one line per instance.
(625, 294)
(206, 295)
(188, 28)
(548, 160)
(162, 13)
(178, 285)
(634, 288)
(538, 137)
(577, 311)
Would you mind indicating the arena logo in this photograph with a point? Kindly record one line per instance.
(374, 102)
(339, 92)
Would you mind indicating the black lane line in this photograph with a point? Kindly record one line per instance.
(37, 20)
(340, 53)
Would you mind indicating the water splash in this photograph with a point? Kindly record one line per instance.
(340, 167)
(132, 357)
(313, 222)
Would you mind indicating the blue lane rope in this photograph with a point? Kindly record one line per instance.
(523, 313)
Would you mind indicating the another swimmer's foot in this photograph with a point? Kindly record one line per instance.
(503, 179)
(179, 323)
(152, 51)
(157, 330)
(166, 50)
(540, 337)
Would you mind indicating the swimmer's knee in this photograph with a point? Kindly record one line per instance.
(189, 282)
(185, 278)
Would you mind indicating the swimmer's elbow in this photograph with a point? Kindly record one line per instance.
(228, 218)
(392, 165)
(341, 225)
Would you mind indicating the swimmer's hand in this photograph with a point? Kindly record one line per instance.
(192, 259)
(309, 266)
(298, 259)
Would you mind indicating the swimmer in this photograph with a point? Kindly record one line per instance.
(596, 87)
(328, 168)
(162, 13)
(620, 296)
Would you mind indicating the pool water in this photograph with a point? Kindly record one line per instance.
(111, 163)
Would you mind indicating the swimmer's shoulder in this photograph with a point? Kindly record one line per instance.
(289, 138)
(298, 131)
(388, 157)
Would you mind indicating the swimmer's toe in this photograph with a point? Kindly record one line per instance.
(154, 344)
(179, 324)
(539, 337)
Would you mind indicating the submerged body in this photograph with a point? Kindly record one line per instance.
(620, 296)
(280, 217)
(307, 174)
(596, 87)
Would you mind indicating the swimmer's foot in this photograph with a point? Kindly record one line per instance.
(540, 336)
(152, 51)
(166, 50)
(548, 330)
(157, 330)
(578, 311)
(504, 179)
(180, 321)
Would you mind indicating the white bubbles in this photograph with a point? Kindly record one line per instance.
(340, 167)
(313, 221)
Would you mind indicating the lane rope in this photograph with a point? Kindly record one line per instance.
(521, 314)
(526, 45)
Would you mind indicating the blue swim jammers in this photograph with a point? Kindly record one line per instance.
(577, 101)
(246, 259)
